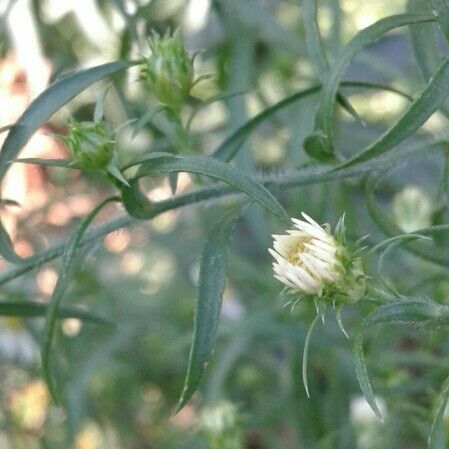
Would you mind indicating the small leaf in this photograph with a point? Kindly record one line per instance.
(50, 101)
(202, 165)
(58, 292)
(114, 171)
(212, 280)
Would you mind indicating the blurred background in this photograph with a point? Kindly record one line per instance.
(123, 384)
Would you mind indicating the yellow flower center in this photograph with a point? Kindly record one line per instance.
(296, 249)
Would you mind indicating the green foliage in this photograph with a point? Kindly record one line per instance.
(305, 110)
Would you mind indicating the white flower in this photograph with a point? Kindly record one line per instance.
(309, 260)
(16, 344)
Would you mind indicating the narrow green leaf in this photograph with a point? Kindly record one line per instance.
(231, 145)
(31, 309)
(50, 101)
(429, 100)
(324, 120)
(64, 163)
(316, 50)
(207, 166)
(211, 286)
(441, 8)
(58, 292)
(314, 43)
(436, 437)
(7, 248)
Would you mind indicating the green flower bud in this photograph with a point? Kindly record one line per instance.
(221, 426)
(90, 144)
(168, 71)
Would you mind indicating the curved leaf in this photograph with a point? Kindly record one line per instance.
(58, 292)
(324, 120)
(231, 145)
(211, 286)
(429, 100)
(50, 101)
(202, 165)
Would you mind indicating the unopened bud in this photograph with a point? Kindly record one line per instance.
(90, 144)
(168, 71)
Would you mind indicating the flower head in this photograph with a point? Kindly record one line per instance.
(310, 261)
(168, 71)
(90, 144)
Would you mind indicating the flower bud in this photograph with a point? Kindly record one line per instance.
(90, 144)
(412, 209)
(221, 426)
(168, 71)
(310, 261)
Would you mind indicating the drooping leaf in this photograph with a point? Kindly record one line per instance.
(212, 280)
(202, 165)
(61, 286)
(50, 101)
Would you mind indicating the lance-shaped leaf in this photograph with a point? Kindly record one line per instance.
(50, 101)
(232, 144)
(212, 280)
(61, 286)
(436, 437)
(7, 248)
(213, 168)
(325, 114)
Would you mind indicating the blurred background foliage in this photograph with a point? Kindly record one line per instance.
(123, 384)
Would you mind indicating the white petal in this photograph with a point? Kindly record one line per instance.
(312, 230)
(311, 220)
